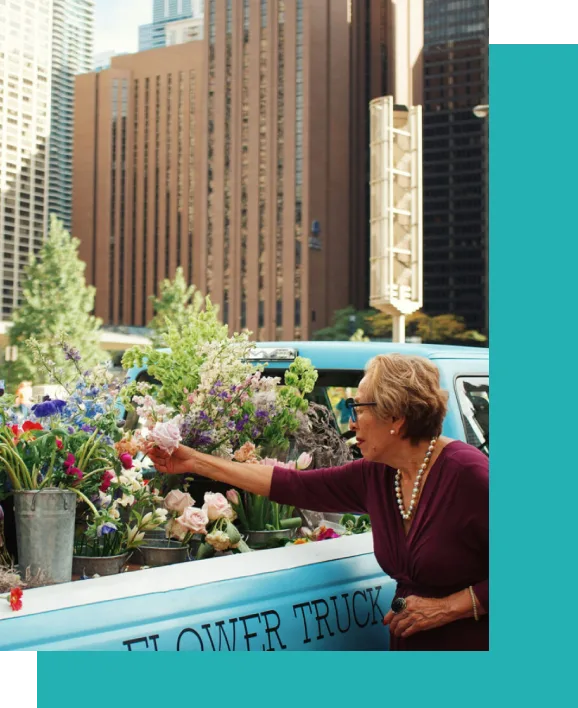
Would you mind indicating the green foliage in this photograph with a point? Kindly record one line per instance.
(55, 299)
(438, 329)
(179, 368)
(344, 325)
(300, 379)
(175, 305)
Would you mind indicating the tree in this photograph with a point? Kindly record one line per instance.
(440, 329)
(56, 299)
(344, 325)
(174, 305)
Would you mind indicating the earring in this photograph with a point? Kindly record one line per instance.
(392, 432)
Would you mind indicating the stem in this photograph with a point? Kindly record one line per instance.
(14, 481)
(85, 499)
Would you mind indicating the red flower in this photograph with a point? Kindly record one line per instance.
(326, 533)
(59, 444)
(74, 471)
(15, 599)
(126, 460)
(70, 460)
(15, 431)
(29, 425)
(107, 478)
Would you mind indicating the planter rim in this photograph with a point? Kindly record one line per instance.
(44, 489)
(121, 555)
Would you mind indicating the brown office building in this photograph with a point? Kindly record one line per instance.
(230, 156)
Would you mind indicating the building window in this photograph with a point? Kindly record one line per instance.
(263, 94)
(192, 153)
(245, 160)
(298, 166)
(227, 166)
(280, 164)
(134, 201)
(211, 144)
(113, 279)
(168, 172)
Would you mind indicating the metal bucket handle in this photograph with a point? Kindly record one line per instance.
(33, 505)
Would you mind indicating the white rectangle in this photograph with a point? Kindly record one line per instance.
(18, 678)
(533, 22)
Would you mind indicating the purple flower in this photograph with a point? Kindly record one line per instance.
(87, 428)
(231, 425)
(71, 354)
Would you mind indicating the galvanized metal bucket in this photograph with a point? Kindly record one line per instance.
(45, 532)
(99, 565)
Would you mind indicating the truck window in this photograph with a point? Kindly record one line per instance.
(473, 394)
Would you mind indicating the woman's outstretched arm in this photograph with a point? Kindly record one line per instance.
(184, 460)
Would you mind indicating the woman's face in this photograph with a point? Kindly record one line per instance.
(372, 433)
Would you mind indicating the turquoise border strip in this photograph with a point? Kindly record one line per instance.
(534, 154)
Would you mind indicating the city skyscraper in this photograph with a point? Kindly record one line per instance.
(25, 107)
(455, 156)
(234, 157)
(153, 35)
(72, 44)
(43, 43)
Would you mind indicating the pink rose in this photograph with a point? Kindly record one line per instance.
(233, 497)
(176, 530)
(178, 501)
(167, 436)
(194, 520)
(217, 507)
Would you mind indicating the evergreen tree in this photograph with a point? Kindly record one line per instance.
(56, 299)
(174, 305)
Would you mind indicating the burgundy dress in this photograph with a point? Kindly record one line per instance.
(446, 549)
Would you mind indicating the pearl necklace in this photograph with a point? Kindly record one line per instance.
(406, 515)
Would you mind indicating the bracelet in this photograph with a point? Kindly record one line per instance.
(471, 589)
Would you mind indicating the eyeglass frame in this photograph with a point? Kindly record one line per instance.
(352, 405)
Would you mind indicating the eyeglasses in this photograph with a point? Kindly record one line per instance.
(352, 405)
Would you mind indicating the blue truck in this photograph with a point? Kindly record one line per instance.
(328, 596)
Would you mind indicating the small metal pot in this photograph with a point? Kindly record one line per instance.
(159, 552)
(268, 539)
(99, 565)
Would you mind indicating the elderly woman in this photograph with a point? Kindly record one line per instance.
(427, 496)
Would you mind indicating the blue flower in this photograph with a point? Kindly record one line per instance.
(105, 529)
(46, 409)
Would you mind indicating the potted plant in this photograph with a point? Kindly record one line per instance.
(56, 457)
(266, 523)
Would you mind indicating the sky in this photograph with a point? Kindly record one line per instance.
(116, 24)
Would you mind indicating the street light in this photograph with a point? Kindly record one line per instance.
(481, 111)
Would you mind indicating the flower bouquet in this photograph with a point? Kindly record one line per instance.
(212, 525)
(214, 399)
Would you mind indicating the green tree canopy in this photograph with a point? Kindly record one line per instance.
(175, 304)
(56, 299)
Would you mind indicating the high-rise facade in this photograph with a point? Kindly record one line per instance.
(154, 35)
(25, 108)
(43, 43)
(455, 155)
(235, 157)
(72, 43)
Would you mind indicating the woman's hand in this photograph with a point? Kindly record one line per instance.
(420, 614)
(180, 462)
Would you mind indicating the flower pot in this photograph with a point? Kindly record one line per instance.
(157, 553)
(45, 532)
(269, 539)
(99, 565)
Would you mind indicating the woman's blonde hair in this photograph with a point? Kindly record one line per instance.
(408, 387)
